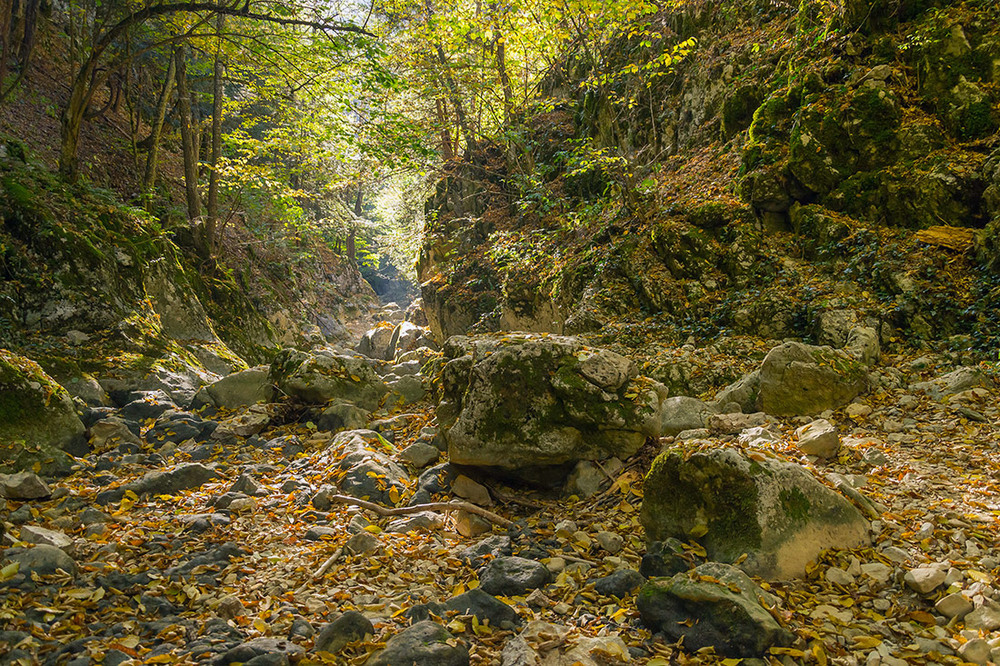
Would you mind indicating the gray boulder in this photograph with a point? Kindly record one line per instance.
(683, 413)
(346, 628)
(743, 392)
(343, 416)
(407, 337)
(23, 486)
(367, 471)
(378, 342)
(38, 423)
(163, 482)
(521, 401)
(819, 438)
(423, 644)
(512, 575)
(111, 432)
(406, 390)
(43, 559)
(718, 607)
(324, 375)
(798, 379)
(775, 512)
(956, 381)
(239, 389)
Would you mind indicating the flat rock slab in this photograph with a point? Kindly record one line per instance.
(23, 486)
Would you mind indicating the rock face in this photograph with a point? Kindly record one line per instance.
(38, 423)
(725, 606)
(321, 376)
(775, 512)
(797, 379)
(522, 401)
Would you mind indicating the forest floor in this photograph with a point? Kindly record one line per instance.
(933, 466)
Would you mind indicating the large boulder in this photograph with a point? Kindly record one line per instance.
(521, 401)
(717, 606)
(38, 423)
(683, 413)
(323, 375)
(365, 471)
(798, 379)
(423, 644)
(774, 512)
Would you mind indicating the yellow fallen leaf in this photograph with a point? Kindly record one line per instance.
(9, 571)
(261, 626)
(131, 641)
(866, 642)
(456, 626)
(730, 662)
(819, 653)
(791, 652)
(698, 531)
(161, 659)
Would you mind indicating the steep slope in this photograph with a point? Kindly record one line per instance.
(779, 178)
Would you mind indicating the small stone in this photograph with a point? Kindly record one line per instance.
(565, 529)
(43, 559)
(508, 576)
(562, 608)
(23, 486)
(470, 525)
(857, 410)
(954, 577)
(230, 607)
(954, 605)
(555, 564)
(877, 571)
(317, 532)
(243, 505)
(839, 577)
(897, 555)
(819, 438)
(976, 651)
(537, 599)
(924, 580)
(582, 539)
(471, 490)
(611, 542)
(362, 542)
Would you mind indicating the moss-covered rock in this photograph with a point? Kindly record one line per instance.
(325, 375)
(38, 423)
(776, 513)
(714, 606)
(798, 379)
(523, 401)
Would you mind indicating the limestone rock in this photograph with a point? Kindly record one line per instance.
(377, 342)
(325, 375)
(38, 423)
(798, 379)
(819, 438)
(343, 416)
(42, 559)
(775, 512)
(419, 454)
(522, 401)
(957, 381)
(40, 535)
(727, 614)
(423, 644)
(512, 575)
(346, 628)
(682, 413)
(23, 486)
(111, 432)
(368, 472)
(924, 580)
(242, 388)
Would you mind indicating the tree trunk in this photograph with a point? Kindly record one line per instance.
(211, 223)
(149, 176)
(501, 58)
(187, 137)
(6, 12)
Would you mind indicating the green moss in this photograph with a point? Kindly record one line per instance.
(795, 505)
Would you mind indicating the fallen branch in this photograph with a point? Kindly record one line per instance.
(417, 508)
(322, 570)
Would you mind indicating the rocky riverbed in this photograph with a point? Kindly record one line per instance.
(309, 512)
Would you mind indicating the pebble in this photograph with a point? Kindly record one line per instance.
(877, 571)
(610, 541)
(471, 490)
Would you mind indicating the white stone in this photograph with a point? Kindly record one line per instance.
(839, 577)
(878, 571)
(955, 604)
(611, 542)
(40, 535)
(976, 651)
(819, 438)
(924, 580)
(986, 617)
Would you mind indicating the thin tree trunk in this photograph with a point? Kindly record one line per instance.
(187, 136)
(213, 174)
(149, 177)
(442, 115)
(501, 58)
(6, 11)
